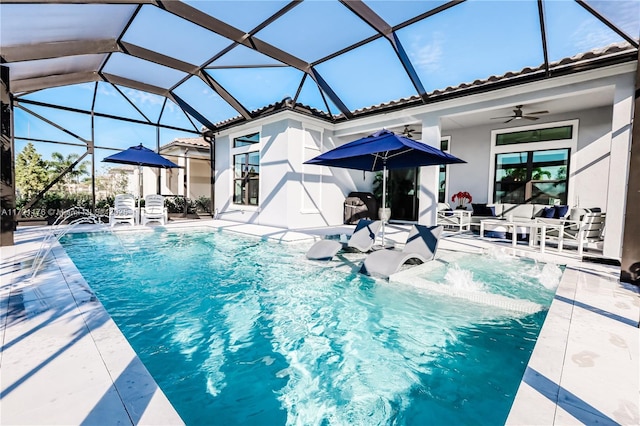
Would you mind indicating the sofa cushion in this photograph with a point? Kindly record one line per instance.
(519, 211)
(444, 207)
(577, 213)
(538, 209)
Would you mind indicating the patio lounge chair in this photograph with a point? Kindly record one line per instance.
(362, 239)
(153, 210)
(420, 247)
(123, 210)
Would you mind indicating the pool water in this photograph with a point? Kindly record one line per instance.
(243, 331)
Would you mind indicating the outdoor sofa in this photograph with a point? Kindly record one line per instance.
(581, 226)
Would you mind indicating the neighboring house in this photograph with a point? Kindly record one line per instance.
(192, 179)
(116, 179)
(576, 153)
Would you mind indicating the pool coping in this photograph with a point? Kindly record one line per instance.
(80, 368)
(590, 336)
(585, 366)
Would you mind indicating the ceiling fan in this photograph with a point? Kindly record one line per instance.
(518, 115)
(409, 132)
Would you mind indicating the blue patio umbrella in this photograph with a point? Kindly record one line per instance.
(140, 156)
(381, 151)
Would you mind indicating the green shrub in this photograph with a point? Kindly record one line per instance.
(176, 204)
(203, 204)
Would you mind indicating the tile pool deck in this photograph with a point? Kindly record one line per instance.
(64, 361)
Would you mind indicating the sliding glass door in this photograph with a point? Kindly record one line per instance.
(403, 193)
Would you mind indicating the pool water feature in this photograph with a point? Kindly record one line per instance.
(243, 331)
(493, 279)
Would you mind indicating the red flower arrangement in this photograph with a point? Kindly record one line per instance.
(462, 197)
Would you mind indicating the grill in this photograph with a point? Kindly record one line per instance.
(360, 205)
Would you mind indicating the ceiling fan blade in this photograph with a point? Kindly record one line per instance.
(538, 112)
(498, 118)
(512, 118)
(531, 118)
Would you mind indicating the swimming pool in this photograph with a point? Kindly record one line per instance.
(243, 331)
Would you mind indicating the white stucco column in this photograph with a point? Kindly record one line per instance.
(163, 182)
(188, 175)
(182, 162)
(618, 168)
(428, 198)
(136, 182)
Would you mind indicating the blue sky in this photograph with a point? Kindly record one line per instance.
(470, 41)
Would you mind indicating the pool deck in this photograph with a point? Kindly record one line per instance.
(64, 361)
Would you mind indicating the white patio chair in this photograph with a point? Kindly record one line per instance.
(153, 210)
(580, 231)
(456, 219)
(123, 210)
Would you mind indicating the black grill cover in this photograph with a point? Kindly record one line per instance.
(360, 205)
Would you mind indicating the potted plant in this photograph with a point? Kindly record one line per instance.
(462, 197)
(384, 212)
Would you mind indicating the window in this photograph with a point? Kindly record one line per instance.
(247, 140)
(535, 135)
(538, 177)
(246, 169)
(442, 178)
(531, 164)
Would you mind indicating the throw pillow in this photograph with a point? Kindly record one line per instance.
(481, 209)
(561, 211)
(549, 212)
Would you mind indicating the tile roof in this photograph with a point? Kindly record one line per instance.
(195, 142)
(613, 53)
(605, 52)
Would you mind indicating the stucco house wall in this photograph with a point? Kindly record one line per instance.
(588, 163)
(199, 178)
(294, 195)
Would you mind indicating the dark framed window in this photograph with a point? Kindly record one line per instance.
(537, 135)
(246, 140)
(246, 182)
(537, 177)
(442, 177)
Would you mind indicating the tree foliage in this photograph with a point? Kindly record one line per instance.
(60, 163)
(113, 182)
(31, 172)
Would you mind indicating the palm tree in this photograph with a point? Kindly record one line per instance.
(538, 173)
(520, 174)
(60, 163)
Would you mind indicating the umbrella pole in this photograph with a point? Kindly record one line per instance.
(140, 182)
(384, 197)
